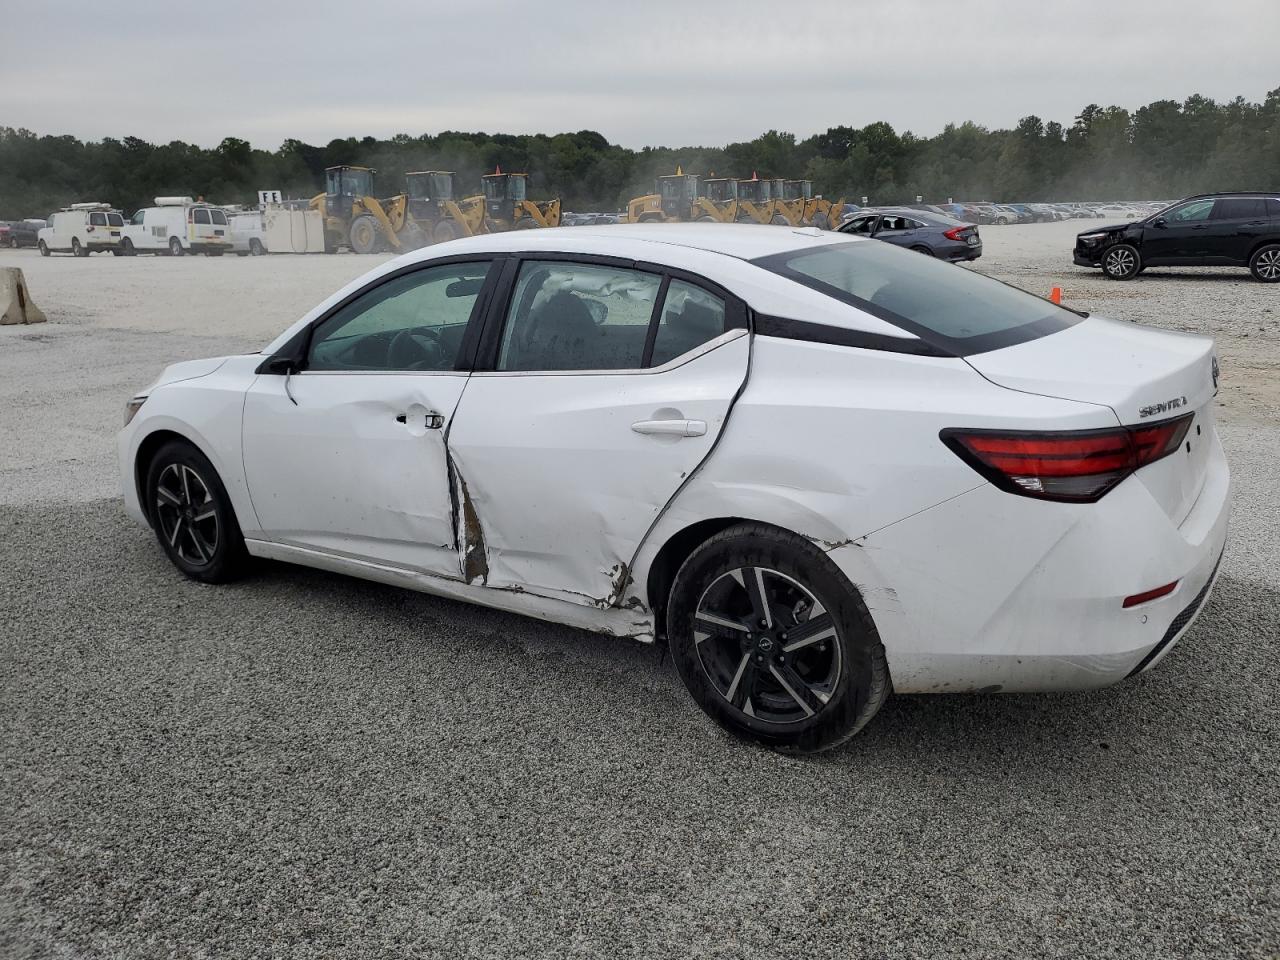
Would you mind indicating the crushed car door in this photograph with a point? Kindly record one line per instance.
(348, 456)
(609, 384)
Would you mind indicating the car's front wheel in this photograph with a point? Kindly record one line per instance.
(1265, 263)
(774, 642)
(1122, 262)
(192, 515)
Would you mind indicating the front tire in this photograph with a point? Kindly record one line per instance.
(76, 249)
(773, 641)
(175, 247)
(1265, 263)
(192, 515)
(256, 248)
(44, 248)
(1122, 262)
(363, 235)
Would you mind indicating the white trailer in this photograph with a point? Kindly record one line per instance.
(176, 226)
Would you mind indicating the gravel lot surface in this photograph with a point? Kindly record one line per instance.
(302, 765)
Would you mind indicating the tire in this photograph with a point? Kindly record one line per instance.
(444, 231)
(363, 235)
(117, 252)
(256, 248)
(920, 248)
(127, 249)
(76, 249)
(805, 701)
(175, 247)
(707, 218)
(526, 223)
(1265, 263)
(198, 531)
(44, 248)
(13, 242)
(1122, 262)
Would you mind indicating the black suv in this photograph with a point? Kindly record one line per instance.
(1213, 230)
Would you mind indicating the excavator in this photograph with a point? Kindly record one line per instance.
(677, 198)
(507, 207)
(431, 209)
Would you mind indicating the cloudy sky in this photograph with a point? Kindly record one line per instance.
(639, 71)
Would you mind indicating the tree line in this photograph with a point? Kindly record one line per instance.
(1163, 150)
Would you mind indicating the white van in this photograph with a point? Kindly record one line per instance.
(247, 235)
(82, 229)
(177, 226)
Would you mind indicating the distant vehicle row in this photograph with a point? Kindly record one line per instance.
(175, 226)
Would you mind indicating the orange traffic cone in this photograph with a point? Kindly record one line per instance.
(1056, 295)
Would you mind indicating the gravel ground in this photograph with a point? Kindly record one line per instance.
(303, 765)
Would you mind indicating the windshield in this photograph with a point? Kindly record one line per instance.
(516, 188)
(418, 186)
(945, 305)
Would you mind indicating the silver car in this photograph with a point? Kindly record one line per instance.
(921, 230)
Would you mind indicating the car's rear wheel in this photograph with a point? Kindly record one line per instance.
(1122, 262)
(920, 248)
(1265, 263)
(256, 248)
(127, 248)
(774, 642)
(192, 515)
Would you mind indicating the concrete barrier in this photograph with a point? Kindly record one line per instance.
(15, 299)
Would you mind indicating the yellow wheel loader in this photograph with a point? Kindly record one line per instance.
(433, 210)
(719, 200)
(507, 207)
(755, 200)
(678, 198)
(353, 217)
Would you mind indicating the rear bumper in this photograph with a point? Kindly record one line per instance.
(995, 592)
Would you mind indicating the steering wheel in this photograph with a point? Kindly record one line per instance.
(424, 344)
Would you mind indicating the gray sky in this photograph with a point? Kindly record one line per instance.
(640, 72)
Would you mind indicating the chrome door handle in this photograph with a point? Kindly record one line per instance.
(671, 428)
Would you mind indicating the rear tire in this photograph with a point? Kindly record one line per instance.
(802, 669)
(1122, 262)
(256, 248)
(363, 235)
(780, 221)
(127, 249)
(1265, 263)
(920, 248)
(192, 515)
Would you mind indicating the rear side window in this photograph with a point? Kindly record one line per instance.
(201, 215)
(690, 317)
(115, 220)
(98, 219)
(945, 305)
(219, 218)
(1240, 208)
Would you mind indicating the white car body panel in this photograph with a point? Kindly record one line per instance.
(161, 223)
(543, 500)
(546, 460)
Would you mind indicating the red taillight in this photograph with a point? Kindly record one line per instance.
(958, 233)
(1076, 466)
(1149, 595)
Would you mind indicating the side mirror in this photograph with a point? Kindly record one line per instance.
(279, 366)
(1160, 222)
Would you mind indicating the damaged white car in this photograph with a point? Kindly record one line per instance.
(820, 467)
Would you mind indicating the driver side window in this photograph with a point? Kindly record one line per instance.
(1191, 212)
(412, 323)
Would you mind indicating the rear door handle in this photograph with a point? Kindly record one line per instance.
(434, 421)
(671, 428)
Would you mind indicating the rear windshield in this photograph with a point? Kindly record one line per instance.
(948, 306)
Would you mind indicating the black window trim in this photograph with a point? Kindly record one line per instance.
(1051, 323)
(486, 358)
(299, 345)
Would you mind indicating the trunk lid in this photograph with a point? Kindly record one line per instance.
(1143, 374)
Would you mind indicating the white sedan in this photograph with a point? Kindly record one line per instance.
(819, 467)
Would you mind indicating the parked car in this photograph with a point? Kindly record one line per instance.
(1117, 211)
(1211, 230)
(5, 233)
(82, 229)
(25, 233)
(176, 226)
(246, 232)
(820, 467)
(924, 232)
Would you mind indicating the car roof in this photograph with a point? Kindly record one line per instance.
(928, 216)
(743, 241)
